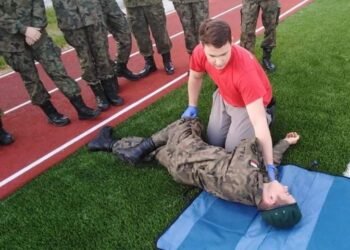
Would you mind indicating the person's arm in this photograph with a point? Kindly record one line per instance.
(257, 115)
(38, 14)
(194, 88)
(282, 146)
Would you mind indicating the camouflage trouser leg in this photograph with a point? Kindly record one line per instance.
(190, 160)
(270, 14)
(118, 26)
(160, 138)
(249, 17)
(191, 16)
(23, 63)
(139, 27)
(153, 17)
(49, 55)
(91, 46)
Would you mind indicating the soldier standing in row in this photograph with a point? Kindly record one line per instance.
(270, 14)
(142, 16)
(118, 26)
(239, 176)
(82, 24)
(23, 39)
(191, 13)
(5, 137)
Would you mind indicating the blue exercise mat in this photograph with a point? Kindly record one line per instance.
(212, 223)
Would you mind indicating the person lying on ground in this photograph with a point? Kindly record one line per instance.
(238, 176)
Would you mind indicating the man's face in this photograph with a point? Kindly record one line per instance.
(218, 57)
(276, 195)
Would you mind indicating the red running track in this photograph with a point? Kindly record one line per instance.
(39, 146)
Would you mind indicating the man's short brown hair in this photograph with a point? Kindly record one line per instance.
(215, 32)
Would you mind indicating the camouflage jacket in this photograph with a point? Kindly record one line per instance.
(139, 3)
(75, 14)
(15, 16)
(109, 6)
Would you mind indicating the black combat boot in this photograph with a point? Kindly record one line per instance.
(101, 99)
(84, 112)
(110, 87)
(53, 116)
(103, 141)
(168, 65)
(5, 138)
(266, 60)
(122, 70)
(135, 154)
(150, 66)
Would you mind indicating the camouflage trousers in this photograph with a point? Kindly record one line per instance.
(143, 18)
(191, 16)
(48, 54)
(118, 26)
(191, 161)
(249, 16)
(91, 45)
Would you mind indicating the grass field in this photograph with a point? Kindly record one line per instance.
(94, 201)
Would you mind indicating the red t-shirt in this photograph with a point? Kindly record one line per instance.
(241, 82)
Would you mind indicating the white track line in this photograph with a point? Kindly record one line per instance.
(111, 118)
(89, 131)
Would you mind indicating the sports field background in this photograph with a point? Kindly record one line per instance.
(94, 201)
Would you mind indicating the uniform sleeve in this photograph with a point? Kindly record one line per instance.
(9, 23)
(39, 14)
(278, 151)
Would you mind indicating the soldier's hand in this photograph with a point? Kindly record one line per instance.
(190, 112)
(292, 138)
(29, 41)
(33, 34)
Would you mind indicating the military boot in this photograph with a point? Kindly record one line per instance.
(84, 112)
(110, 87)
(53, 116)
(103, 141)
(168, 65)
(101, 99)
(122, 70)
(5, 137)
(266, 60)
(135, 154)
(150, 66)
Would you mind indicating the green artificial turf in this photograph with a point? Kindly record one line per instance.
(94, 201)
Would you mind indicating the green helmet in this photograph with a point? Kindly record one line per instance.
(282, 217)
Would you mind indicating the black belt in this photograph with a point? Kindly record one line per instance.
(271, 103)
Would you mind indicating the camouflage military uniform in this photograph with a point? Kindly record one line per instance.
(237, 176)
(118, 26)
(82, 24)
(15, 17)
(145, 14)
(250, 12)
(191, 13)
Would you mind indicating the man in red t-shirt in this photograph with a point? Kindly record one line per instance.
(241, 104)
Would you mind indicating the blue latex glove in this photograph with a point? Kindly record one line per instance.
(271, 172)
(190, 112)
